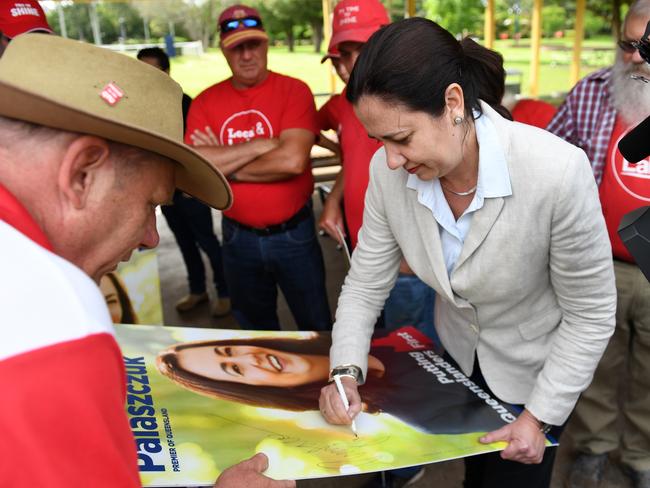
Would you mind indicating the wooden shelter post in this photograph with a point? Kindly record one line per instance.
(488, 29)
(536, 38)
(581, 6)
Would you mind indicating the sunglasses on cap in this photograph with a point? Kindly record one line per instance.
(642, 45)
(246, 22)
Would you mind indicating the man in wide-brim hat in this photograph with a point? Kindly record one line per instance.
(90, 144)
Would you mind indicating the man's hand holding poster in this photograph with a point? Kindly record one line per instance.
(202, 400)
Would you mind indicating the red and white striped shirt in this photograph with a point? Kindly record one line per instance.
(62, 376)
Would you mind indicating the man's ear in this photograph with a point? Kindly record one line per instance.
(82, 163)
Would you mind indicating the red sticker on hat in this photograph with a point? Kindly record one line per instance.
(111, 94)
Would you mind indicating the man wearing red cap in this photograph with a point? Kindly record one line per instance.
(258, 127)
(20, 17)
(353, 23)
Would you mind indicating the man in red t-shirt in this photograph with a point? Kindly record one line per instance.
(596, 114)
(353, 22)
(329, 114)
(329, 118)
(258, 128)
(533, 112)
(82, 169)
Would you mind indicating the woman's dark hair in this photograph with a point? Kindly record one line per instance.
(156, 53)
(413, 61)
(296, 398)
(128, 312)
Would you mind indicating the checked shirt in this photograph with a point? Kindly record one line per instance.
(586, 118)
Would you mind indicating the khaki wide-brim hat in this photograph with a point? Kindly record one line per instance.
(74, 86)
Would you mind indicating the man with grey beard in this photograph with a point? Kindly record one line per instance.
(596, 114)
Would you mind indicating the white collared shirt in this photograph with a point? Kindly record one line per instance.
(493, 182)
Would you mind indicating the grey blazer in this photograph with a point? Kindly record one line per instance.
(532, 293)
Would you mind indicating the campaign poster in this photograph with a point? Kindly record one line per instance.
(132, 291)
(201, 400)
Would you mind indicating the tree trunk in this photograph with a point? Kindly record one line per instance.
(616, 19)
(206, 38)
(208, 21)
(317, 37)
(290, 40)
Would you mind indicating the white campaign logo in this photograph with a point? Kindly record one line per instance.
(24, 9)
(348, 15)
(256, 125)
(638, 170)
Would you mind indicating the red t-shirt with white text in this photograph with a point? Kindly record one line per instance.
(625, 187)
(263, 111)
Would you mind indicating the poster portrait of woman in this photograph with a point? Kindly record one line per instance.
(406, 378)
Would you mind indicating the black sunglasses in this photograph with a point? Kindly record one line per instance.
(642, 45)
(247, 22)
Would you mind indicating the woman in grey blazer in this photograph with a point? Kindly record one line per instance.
(501, 219)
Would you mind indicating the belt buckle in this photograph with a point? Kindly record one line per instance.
(269, 230)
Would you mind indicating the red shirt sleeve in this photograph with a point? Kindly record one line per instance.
(328, 116)
(300, 109)
(196, 118)
(63, 422)
(533, 112)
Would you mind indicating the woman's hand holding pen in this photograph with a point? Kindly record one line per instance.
(331, 406)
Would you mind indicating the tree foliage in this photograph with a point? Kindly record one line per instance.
(114, 19)
(460, 17)
(291, 21)
(288, 20)
(514, 16)
(285, 20)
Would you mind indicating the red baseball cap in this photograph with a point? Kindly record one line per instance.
(357, 20)
(22, 16)
(332, 52)
(240, 16)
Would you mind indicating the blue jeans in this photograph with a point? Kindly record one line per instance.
(191, 223)
(411, 303)
(256, 265)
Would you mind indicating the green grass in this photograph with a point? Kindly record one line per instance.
(196, 73)
(555, 64)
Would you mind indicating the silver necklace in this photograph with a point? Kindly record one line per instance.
(460, 193)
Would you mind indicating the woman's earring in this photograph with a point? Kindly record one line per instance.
(458, 120)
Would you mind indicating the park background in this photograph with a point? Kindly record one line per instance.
(297, 35)
(296, 30)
